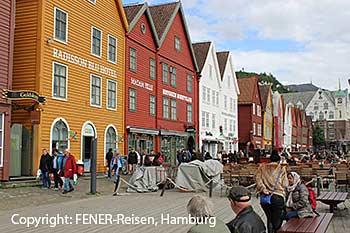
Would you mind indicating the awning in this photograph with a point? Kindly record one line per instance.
(173, 133)
(143, 130)
(210, 139)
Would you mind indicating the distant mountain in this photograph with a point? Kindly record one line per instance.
(265, 78)
(302, 87)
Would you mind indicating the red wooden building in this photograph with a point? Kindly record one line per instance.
(162, 82)
(310, 137)
(7, 20)
(249, 114)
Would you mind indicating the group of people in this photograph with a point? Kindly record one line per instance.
(62, 166)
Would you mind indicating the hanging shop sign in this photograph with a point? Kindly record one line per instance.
(82, 62)
(141, 84)
(20, 95)
(177, 96)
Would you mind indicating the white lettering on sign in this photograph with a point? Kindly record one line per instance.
(57, 53)
(177, 96)
(141, 84)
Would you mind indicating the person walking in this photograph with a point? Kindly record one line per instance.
(45, 167)
(56, 168)
(271, 181)
(109, 156)
(70, 169)
(132, 161)
(246, 220)
(116, 165)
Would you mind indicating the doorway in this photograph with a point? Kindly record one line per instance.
(20, 162)
(87, 151)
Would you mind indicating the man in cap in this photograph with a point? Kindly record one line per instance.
(246, 221)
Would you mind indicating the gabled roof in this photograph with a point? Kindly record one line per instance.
(222, 60)
(201, 50)
(122, 15)
(303, 97)
(133, 14)
(247, 87)
(163, 16)
(264, 93)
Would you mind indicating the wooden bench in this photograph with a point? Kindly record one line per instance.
(332, 199)
(317, 224)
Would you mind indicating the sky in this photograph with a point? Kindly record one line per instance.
(299, 41)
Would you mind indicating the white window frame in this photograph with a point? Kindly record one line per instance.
(129, 91)
(208, 95)
(91, 104)
(53, 77)
(254, 128)
(213, 120)
(155, 105)
(225, 102)
(203, 119)
(207, 120)
(54, 26)
(116, 47)
(2, 140)
(258, 107)
(166, 99)
(177, 46)
(91, 38)
(253, 108)
(173, 106)
(152, 60)
(189, 80)
(189, 113)
(116, 94)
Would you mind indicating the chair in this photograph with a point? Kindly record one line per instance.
(341, 180)
(226, 180)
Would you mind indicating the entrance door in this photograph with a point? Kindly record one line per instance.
(87, 153)
(142, 145)
(16, 150)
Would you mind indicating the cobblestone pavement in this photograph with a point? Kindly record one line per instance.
(28, 202)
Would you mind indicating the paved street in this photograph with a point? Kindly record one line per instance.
(27, 202)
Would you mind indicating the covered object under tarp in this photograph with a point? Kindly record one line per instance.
(195, 175)
(144, 179)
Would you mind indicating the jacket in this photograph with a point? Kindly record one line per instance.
(70, 168)
(247, 221)
(301, 203)
(266, 176)
(45, 163)
(220, 227)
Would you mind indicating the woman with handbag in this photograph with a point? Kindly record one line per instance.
(271, 181)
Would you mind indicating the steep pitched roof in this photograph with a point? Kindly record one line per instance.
(246, 86)
(132, 10)
(264, 93)
(222, 60)
(303, 97)
(201, 50)
(162, 16)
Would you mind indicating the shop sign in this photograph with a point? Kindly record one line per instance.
(8, 94)
(177, 96)
(141, 84)
(82, 62)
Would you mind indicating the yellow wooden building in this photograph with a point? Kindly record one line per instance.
(73, 54)
(266, 99)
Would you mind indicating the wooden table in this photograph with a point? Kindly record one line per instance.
(332, 199)
(317, 224)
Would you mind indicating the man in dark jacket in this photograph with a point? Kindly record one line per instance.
(246, 221)
(45, 167)
(109, 156)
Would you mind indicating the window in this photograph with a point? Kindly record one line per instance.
(173, 110)
(231, 125)
(225, 125)
(254, 129)
(234, 126)
(208, 95)
(177, 44)
(165, 73)
(96, 42)
(61, 24)
(173, 76)
(152, 105)
(111, 94)
(110, 139)
(132, 100)
(1, 138)
(259, 130)
(189, 83)
(253, 108)
(213, 93)
(112, 49)
(321, 116)
(59, 136)
(60, 76)
(331, 115)
(204, 93)
(313, 115)
(340, 116)
(325, 106)
(165, 107)
(258, 109)
(189, 113)
(152, 69)
(225, 102)
(217, 98)
(95, 98)
(207, 119)
(133, 64)
(203, 119)
(231, 105)
(315, 106)
(213, 121)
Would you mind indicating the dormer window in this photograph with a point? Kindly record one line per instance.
(177, 44)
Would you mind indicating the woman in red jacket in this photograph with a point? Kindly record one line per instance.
(69, 168)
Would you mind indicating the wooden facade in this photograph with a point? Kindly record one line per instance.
(82, 111)
(6, 62)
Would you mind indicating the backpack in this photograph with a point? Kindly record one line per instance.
(312, 199)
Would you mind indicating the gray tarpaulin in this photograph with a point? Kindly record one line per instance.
(194, 175)
(144, 179)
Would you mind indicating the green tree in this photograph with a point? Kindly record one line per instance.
(318, 136)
